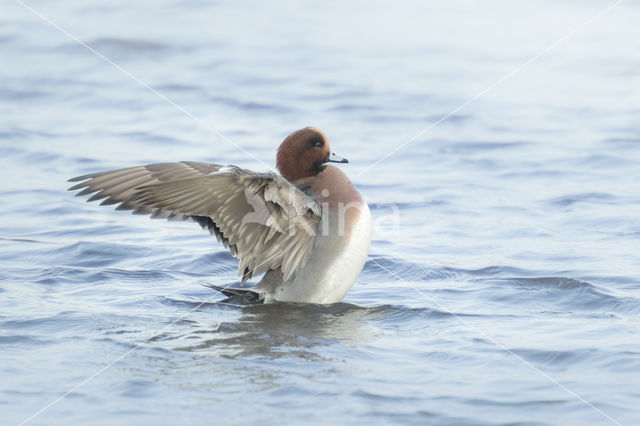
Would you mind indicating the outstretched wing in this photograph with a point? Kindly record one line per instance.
(263, 219)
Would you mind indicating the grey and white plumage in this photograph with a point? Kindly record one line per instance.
(307, 230)
(216, 197)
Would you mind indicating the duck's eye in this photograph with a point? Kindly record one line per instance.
(317, 142)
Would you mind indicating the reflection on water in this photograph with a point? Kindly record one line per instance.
(277, 330)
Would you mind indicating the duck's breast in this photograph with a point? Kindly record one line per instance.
(336, 260)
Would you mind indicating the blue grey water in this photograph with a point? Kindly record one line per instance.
(504, 279)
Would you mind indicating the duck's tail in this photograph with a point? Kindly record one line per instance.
(239, 295)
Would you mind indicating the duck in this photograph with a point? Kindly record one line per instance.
(306, 231)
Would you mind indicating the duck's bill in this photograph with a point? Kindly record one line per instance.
(336, 159)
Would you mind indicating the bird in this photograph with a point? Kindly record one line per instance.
(307, 230)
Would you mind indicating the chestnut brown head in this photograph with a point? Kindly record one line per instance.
(304, 153)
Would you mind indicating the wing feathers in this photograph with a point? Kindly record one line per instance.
(261, 218)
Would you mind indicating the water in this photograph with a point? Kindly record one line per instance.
(504, 280)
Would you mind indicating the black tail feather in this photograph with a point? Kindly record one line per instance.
(239, 295)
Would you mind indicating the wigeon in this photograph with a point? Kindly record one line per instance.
(307, 230)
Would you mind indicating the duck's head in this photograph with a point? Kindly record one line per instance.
(304, 153)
